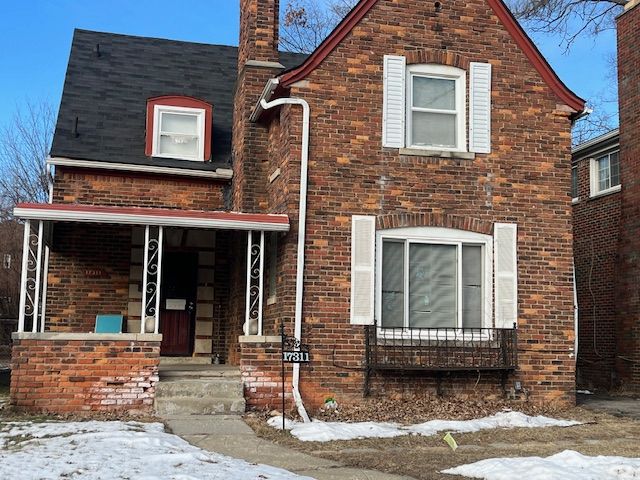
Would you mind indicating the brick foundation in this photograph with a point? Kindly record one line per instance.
(262, 374)
(60, 373)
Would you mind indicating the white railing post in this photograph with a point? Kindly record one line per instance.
(247, 327)
(23, 275)
(143, 310)
(36, 295)
(260, 282)
(158, 281)
(45, 275)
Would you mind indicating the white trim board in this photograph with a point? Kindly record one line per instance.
(217, 174)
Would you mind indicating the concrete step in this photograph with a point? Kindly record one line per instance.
(198, 388)
(198, 406)
(185, 361)
(170, 371)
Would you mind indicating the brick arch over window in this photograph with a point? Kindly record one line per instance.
(433, 219)
(439, 57)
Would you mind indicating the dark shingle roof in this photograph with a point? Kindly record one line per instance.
(108, 91)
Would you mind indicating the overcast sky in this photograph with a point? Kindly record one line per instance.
(35, 38)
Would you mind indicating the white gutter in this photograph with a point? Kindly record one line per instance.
(218, 173)
(267, 91)
(302, 224)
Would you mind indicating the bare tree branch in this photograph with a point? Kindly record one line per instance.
(24, 146)
(306, 23)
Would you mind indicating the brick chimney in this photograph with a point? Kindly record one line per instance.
(259, 22)
(628, 331)
(257, 63)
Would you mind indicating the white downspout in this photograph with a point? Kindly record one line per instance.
(575, 313)
(302, 224)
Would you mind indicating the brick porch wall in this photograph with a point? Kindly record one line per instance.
(61, 373)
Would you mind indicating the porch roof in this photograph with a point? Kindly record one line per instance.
(152, 216)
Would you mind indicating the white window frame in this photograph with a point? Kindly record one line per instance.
(441, 236)
(594, 174)
(440, 72)
(199, 113)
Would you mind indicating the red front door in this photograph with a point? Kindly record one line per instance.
(177, 314)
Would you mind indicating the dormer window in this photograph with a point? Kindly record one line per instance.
(179, 127)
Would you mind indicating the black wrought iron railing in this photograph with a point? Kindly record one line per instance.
(441, 349)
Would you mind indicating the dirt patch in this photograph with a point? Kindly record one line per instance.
(424, 457)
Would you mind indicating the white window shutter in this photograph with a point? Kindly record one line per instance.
(480, 107)
(506, 274)
(363, 246)
(393, 103)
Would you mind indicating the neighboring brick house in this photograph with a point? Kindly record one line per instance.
(606, 213)
(429, 166)
(596, 195)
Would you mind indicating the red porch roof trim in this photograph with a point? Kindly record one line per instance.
(152, 216)
(500, 9)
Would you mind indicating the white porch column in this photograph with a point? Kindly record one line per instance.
(151, 276)
(23, 275)
(254, 286)
(31, 276)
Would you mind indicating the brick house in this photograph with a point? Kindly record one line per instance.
(428, 168)
(606, 241)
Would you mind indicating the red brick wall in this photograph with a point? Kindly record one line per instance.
(524, 180)
(60, 376)
(629, 266)
(262, 376)
(97, 187)
(88, 274)
(595, 231)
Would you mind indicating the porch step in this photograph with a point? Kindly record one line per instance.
(193, 391)
(176, 371)
(185, 361)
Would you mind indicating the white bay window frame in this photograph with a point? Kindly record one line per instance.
(158, 112)
(436, 236)
(441, 72)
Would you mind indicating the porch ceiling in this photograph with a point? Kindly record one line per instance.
(152, 216)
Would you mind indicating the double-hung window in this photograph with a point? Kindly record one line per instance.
(436, 107)
(605, 173)
(179, 132)
(433, 278)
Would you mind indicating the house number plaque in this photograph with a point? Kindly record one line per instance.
(292, 352)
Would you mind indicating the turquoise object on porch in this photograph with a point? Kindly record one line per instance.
(109, 323)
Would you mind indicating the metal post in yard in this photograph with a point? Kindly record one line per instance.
(282, 338)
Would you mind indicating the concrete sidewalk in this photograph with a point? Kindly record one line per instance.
(229, 435)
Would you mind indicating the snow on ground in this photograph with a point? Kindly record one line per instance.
(318, 431)
(115, 450)
(566, 465)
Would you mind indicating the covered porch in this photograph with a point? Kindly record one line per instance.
(163, 275)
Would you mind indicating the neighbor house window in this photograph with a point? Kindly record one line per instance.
(433, 278)
(178, 127)
(436, 107)
(574, 183)
(605, 173)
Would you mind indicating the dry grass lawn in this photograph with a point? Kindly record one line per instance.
(424, 457)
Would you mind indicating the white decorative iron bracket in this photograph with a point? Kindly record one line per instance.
(253, 297)
(151, 277)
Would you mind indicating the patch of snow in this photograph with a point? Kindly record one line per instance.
(566, 465)
(114, 451)
(318, 431)
(585, 392)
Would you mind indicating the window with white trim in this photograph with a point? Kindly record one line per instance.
(605, 173)
(436, 107)
(179, 132)
(424, 107)
(432, 277)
